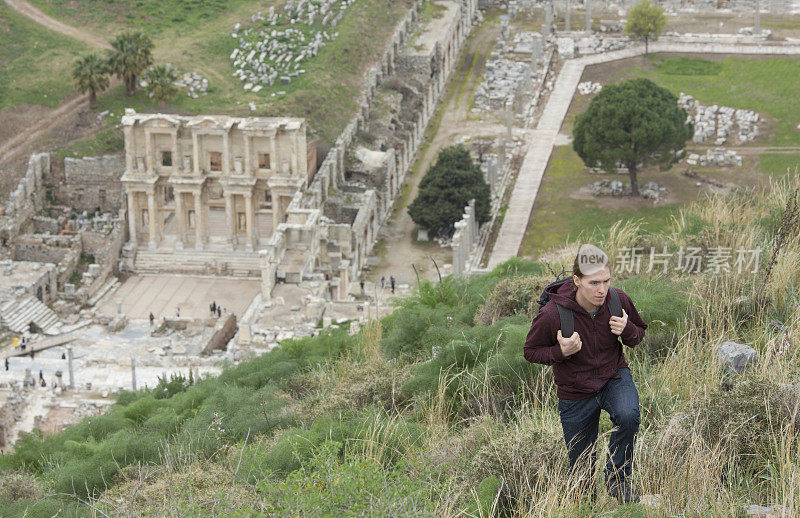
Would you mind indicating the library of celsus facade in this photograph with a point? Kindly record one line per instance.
(210, 182)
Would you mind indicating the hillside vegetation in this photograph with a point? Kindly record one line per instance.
(433, 411)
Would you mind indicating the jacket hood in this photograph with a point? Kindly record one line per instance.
(564, 295)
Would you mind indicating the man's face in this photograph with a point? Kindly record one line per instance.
(594, 287)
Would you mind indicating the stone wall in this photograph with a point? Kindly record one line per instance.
(375, 205)
(92, 182)
(105, 247)
(26, 200)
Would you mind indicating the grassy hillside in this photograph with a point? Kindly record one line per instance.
(196, 37)
(33, 62)
(433, 411)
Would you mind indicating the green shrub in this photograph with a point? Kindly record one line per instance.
(329, 486)
(512, 296)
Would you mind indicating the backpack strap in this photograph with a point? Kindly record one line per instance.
(567, 322)
(614, 305)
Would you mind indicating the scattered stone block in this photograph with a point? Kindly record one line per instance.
(736, 357)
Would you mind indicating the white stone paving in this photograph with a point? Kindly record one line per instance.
(544, 138)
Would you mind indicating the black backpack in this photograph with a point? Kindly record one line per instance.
(565, 314)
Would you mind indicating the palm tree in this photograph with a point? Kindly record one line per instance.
(131, 54)
(160, 81)
(90, 74)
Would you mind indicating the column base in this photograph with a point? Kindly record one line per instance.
(152, 245)
(179, 245)
(198, 246)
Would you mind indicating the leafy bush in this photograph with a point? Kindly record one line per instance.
(513, 296)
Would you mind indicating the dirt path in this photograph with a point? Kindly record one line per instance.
(25, 136)
(399, 251)
(39, 17)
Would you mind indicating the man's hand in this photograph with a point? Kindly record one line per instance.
(571, 345)
(618, 323)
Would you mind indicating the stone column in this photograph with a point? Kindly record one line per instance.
(175, 151)
(567, 25)
(758, 17)
(129, 158)
(295, 151)
(276, 211)
(273, 157)
(248, 200)
(226, 154)
(148, 152)
(151, 216)
(132, 215)
(588, 15)
(199, 221)
(248, 171)
(230, 218)
(196, 153)
(179, 219)
(70, 368)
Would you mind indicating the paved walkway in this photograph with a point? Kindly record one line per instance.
(163, 294)
(536, 159)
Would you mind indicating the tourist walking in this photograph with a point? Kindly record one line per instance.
(580, 332)
(391, 281)
(152, 318)
(383, 281)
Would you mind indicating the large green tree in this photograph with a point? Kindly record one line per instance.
(160, 81)
(130, 55)
(90, 73)
(633, 123)
(645, 23)
(447, 188)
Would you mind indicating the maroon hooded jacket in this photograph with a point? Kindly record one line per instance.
(584, 373)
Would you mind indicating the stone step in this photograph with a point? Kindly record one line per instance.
(110, 285)
(18, 313)
(238, 264)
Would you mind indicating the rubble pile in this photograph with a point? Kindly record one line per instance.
(588, 87)
(279, 43)
(195, 84)
(650, 190)
(718, 157)
(718, 123)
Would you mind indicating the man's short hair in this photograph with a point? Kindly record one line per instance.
(589, 260)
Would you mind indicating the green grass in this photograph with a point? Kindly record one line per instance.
(152, 16)
(35, 62)
(558, 218)
(767, 86)
(778, 164)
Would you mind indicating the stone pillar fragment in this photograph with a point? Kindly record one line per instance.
(179, 219)
(151, 217)
(199, 221)
(248, 200)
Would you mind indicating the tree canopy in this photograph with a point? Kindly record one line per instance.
(447, 188)
(633, 123)
(90, 74)
(160, 81)
(131, 54)
(645, 22)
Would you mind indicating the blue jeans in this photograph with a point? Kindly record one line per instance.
(580, 420)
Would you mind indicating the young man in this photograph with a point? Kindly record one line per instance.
(590, 370)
